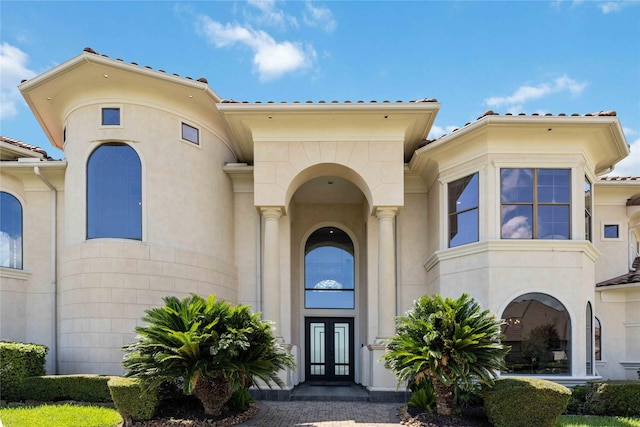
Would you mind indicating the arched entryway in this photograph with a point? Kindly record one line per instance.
(328, 291)
(329, 284)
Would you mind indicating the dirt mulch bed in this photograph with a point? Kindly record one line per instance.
(189, 412)
(469, 417)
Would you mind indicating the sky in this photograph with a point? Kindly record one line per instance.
(557, 56)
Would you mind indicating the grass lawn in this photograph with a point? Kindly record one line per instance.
(59, 416)
(587, 421)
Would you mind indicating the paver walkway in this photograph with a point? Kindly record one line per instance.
(325, 414)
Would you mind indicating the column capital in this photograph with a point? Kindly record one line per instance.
(386, 212)
(271, 212)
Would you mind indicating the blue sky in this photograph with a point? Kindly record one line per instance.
(520, 57)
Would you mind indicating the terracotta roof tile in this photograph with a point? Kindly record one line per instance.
(609, 113)
(619, 178)
(26, 146)
(633, 276)
(90, 50)
(360, 101)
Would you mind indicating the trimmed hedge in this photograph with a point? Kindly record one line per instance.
(86, 388)
(525, 402)
(620, 398)
(131, 401)
(19, 361)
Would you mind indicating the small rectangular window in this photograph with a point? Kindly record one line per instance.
(611, 231)
(191, 134)
(110, 116)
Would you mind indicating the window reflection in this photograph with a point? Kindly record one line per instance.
(537, 327)
(114, 198)
(463, 211)
(536, 203)
(10, 231)
(329, 270)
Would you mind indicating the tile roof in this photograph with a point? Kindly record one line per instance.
(233, 101)
(26, 146)
(619, 178)
(609, 113)
(633, 276)
(90, 50)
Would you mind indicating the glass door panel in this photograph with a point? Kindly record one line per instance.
(329, 349)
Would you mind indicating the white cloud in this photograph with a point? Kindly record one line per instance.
(271, 59)
(438, 131)
(630, 165)
(319, 17)
(610, 6)
(270, 15)
(526, 93)
(13, 69)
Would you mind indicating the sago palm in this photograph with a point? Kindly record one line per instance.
(213, 348)
(446, 341)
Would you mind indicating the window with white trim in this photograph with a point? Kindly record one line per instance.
(535, 203)
(463, 210)
(10, 231)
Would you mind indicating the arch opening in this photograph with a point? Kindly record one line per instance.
(538, 328)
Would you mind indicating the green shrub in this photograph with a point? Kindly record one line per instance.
(621, 398)
(577, 400)
(18, 361)
(423, 396)
(525, 402)
(86, 388)
(240, 399)
(130, 401)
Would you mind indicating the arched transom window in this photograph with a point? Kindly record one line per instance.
(329, 270)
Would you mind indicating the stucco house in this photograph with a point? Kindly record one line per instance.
(330, 218)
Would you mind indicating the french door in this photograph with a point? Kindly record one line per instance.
(329, 349)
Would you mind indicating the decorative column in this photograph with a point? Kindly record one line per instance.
(386, 273)
(271, 267)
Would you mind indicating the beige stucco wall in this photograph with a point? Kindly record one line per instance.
(26, 296)
(412, 239)
(187, 242)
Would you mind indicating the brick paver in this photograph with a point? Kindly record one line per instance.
(325, 414)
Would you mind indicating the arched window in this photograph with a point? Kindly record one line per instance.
(329, 270)
(538, 329)
(114, 196)
(10, 231)
(597, 338)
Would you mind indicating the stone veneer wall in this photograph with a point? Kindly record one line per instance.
(105, 287)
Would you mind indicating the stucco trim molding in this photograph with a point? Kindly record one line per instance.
(632, 365)
(12, 273)
(513, 246)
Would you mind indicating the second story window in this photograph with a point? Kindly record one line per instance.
(535, 203)
(588, 211)
(463, 210)
(114, 198)
(110, 116)
(191, 134)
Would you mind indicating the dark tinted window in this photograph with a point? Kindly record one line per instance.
(110, 116)
(114, 201)
(191, 134)
(463, 210)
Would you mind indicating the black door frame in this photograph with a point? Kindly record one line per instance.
(329, 345)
